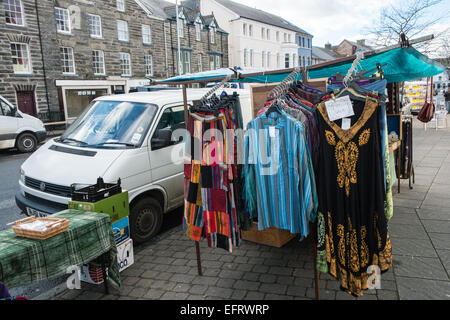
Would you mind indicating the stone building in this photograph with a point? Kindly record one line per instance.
(92, 48)
(22, 75)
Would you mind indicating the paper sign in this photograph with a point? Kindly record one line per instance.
(272, 132)
(339, 108)
(136, 137)
(346, 122)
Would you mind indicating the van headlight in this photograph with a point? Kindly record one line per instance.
(22, 176)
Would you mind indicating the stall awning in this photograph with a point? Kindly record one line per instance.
(399, 64)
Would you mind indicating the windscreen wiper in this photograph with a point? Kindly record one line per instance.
(114, 142)
(74, 140)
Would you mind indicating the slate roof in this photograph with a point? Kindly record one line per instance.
(323, 53)
(260, 16)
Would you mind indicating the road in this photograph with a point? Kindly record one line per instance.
(10, 162)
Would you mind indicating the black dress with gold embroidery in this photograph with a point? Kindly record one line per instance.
(352, 226)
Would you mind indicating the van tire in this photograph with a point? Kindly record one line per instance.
(146, 218)
(26, 142)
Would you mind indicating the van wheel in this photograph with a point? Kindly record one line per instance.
(145, 219)
(26, 142)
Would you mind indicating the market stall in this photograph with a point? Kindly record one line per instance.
(311, 197)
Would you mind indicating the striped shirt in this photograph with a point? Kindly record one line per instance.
(280, 186)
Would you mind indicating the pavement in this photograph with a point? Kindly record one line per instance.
(166, 268)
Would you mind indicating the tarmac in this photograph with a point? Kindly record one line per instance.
(166, 267)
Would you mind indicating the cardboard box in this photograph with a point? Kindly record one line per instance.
(270, 237)
(125, 255)
(116, 206)
(121, 230)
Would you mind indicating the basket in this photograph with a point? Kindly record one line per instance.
(96, 192)
(55, 227)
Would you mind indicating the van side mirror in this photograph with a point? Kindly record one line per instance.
(162, 139)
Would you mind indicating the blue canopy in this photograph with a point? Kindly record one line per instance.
(400, 64)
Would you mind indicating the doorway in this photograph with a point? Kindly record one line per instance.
(26, 102)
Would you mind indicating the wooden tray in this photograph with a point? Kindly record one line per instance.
(270, 237)
(55, 227)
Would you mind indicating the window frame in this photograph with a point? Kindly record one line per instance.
(122, 7)
(22, 13)
(122, 65)
(198, 31)
(146, 27)
(288, 62)
(28, 58)
(103, 63)
(119, 30)
(63, 60)
(90, 26)
(199, 62)
(212, 34)
(147, 65)
(69, 23)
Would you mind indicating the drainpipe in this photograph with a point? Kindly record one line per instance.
(42, 55)
(165, 48)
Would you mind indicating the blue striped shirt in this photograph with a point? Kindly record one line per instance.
(279, 178)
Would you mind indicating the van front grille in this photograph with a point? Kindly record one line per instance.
(51, 188)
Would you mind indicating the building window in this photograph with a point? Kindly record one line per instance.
(250, 30)
(285, 37)
(187, 62)
(121, 5)
(304, 61)
(278, 60)
(300, 61)
(294, 60)
(263, 59)
(251, 58)
(245, 57)
(268, 34)
(149, 65)
(98, 62)
(303, 42)
(125, 64)
(14, 12)
(309, 61)
(214, 61)
(263, 33)
(268, 59)
(286, 60)
(199, 62)
(277, 36)
(198, 31)
(146, 34)
(68, 62)
(20, 55)
(62, 20)
(95, 25)
(122, 30)
(212, 35)
(244, 29)
(309, 43)
(289, 38)
(218, 62)
(181, 27)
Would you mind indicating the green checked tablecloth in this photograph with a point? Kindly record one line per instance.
(24, 261)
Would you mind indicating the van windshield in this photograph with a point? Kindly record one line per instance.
(111, 124)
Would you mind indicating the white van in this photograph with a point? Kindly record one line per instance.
(124, 136)
(18, 129)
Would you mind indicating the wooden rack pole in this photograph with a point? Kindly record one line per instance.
(186, 122)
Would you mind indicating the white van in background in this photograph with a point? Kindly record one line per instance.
(18, 129)
(126, 136)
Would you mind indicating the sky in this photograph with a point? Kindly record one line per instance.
(333, 20)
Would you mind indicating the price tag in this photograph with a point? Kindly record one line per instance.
(272, 132)
(346, 122)
(339, 108)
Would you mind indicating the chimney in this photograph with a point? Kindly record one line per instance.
(328, 46)
(361, 42)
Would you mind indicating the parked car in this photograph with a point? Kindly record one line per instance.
(18, 129)
(120, 136)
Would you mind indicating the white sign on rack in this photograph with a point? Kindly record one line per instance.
(339, 108)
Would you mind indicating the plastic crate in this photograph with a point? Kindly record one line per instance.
(96, 192)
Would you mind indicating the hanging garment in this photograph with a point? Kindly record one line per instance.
(380, 87)
(213, 179)
(280, 186)
(352, 227)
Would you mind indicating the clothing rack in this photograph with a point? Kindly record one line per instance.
(294, 71)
